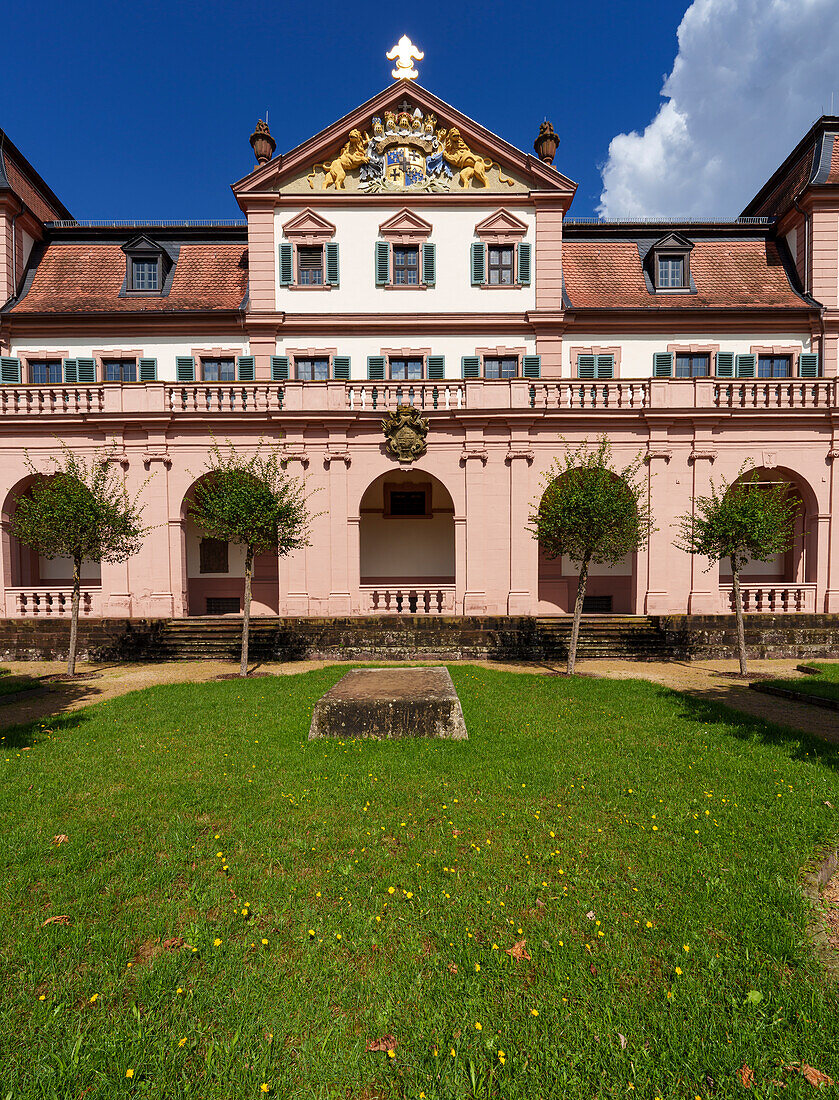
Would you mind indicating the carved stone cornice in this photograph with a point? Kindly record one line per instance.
(295, 454)
(520, 453)
(659, 452)
(702, 452)
(474, 452)
(157, 454)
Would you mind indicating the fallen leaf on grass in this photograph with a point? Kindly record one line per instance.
(452, 968)
(387, 1042)
(63, 919)
(746, 1076)
(622, 1041)
(517, 951)
(815, 1077)
(593, 969)
(61, 838)
(175, 944)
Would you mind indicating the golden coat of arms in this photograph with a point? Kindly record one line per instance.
(405, 431)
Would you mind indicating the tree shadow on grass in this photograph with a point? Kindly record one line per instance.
(709, 708)
(21, 722)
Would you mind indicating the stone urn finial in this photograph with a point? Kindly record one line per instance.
(547, 143)
(262, 143)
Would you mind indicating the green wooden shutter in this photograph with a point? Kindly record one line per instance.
(148, 370)
(279, 368)
(286, 265)
(381, 258)
(87, 370)
(532, 366)
(185, 368)
(436, 367)
(478, 263)
(331, 257)
(724, 366)
(662, 364)
(9, 370)
(376, 368)
(524, 263)
(341, 368)
(746, 366)
(471, 366)
(586, 366)
(429, 264)
(71, 371)
(246, 368)
(808, 365)
(605, 366)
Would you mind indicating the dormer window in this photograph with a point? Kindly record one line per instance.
(668, 263)
(147, 265)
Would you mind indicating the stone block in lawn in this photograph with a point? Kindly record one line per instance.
(388, 703)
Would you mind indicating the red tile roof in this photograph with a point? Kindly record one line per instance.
(607, 274)
(87, 278)
(779, 199)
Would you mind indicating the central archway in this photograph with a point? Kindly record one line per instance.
(407, 544)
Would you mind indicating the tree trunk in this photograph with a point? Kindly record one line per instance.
(738, 611)
(74, 617)
(246, 621)
(578, 611)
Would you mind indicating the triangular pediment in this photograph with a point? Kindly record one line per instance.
(141, 244)
(366, 144)
(500, 224)
(673, 240)
(310, 225)
(405, 224)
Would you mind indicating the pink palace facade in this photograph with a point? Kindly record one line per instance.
(407, 256)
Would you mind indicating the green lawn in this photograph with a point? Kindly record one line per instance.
(9, 684)
(644, 845)
(824, 683)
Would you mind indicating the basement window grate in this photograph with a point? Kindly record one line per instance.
(597, 605)
(223, 605)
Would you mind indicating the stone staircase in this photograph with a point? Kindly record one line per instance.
(216, 638)
(617, 637)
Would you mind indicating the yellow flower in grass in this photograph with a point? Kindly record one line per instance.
(478, 1027)
(265, 943)
(216, 942)
(129, 1073)
(181, 1042)
(264, 1088)
(391, 1054)
(534, 1012)
(391, 889)
(678, 970)
(94, 998)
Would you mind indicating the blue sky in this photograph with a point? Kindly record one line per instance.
(145, 110)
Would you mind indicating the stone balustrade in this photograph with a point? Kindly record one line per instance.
(55, 601)
(448, 396)
(383, 599)
(772, 597)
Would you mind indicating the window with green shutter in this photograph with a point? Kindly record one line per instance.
(436, 367)
(808, 365)
(478, 263)
(470, 365)
(429, 264)
(246, 368)
(341, 368)
(532, 366)
(148, 370)
(376, 368)
(87, 371)
(746, 366)
(185, 368)
(724, 364)
(590, 367)
(9, 370)
(279, 368)
(286, 264)
(663, 364)
(331, 256)
(524, 263)
(381, 259)
(71, 371)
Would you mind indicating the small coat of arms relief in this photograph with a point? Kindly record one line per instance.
(405, 433)
(405, 150)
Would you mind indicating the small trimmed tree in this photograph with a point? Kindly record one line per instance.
(590, 512)
(745, 520)
(80, 511)
(251, 502)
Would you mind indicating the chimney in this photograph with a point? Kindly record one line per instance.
(547, 143)
(262, 143)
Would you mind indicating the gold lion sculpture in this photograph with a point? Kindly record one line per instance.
(472, 167)
(353, 155)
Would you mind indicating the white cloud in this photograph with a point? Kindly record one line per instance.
(750, 78)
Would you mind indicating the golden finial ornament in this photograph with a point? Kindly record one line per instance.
(405, 53)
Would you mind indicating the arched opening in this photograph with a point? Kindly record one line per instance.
(610, 589)
(407, 545)
(37, 585)
(787, 581)
(215, 573)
